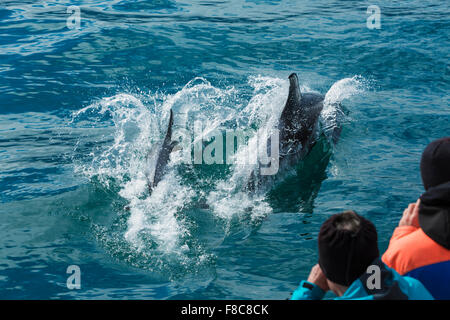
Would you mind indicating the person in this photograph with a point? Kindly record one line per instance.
(349, 265)
(420, 245)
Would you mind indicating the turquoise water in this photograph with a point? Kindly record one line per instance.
(79, 109)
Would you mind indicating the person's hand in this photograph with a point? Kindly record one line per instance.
(411, 215)
(317, 277)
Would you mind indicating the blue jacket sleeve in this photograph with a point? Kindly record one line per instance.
(417, 290)
(310, 291)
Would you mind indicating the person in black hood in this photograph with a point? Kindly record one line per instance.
(349, 263)
(434, 208)
(420, 245)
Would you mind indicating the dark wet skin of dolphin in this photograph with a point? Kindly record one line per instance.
(297, 128)
(159, 157)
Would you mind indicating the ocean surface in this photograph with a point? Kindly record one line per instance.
(81, 105)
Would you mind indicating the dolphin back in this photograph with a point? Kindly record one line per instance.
(159, 157)
(297, 129)
(299, 118)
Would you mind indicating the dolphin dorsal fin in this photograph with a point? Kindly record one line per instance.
(162, 156)
(293, 103)
(168, 137)
(294, 89)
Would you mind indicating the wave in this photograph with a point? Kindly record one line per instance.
(160, 225)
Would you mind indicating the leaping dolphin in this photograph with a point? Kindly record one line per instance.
(159, 157)
(297, 129)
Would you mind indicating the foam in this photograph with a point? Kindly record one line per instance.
(156, 225)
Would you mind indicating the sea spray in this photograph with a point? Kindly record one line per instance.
(157, 229)
(332, 115)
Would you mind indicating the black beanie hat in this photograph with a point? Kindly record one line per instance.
(435, 163)
(344, 255)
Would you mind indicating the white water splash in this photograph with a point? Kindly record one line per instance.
(156, 224)
(155, 217)
(332, 115)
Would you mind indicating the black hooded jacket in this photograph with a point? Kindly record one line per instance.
(434, 213)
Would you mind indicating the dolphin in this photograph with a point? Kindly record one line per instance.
(298, 130)
(159, 156)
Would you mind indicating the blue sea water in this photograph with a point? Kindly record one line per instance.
(80, 108)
